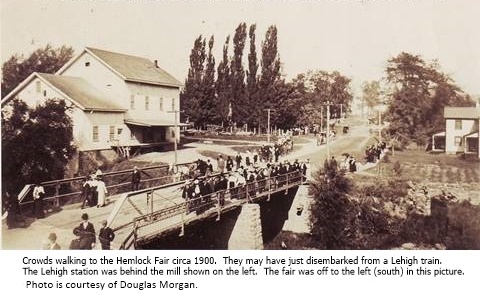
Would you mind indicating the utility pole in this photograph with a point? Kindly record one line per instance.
(328, 104)
(175, 139)
(268, 124)
(328, 130)
(321, 119)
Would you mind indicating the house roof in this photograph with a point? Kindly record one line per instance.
(81, 92)
(461, 113)
(134, 68)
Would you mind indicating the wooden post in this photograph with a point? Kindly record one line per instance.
(57, 193)
(328, 131)
(151, 205)
(286, 190)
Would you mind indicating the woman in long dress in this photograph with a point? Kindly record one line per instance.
(38, 193)
(101, 193)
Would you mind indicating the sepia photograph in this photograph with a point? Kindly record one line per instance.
(255, 125)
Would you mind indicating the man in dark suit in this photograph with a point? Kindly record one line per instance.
(86, 233)
(136, 177)
(238, 159)
(105, 235)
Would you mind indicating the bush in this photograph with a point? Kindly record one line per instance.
(397, 168)
(386, 158)
(332, 210)
(372, 216)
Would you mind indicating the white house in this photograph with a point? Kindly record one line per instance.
(119, 101)
(148, 93)
(461, 130)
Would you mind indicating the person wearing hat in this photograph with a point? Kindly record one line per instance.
(101, 192)
(52, 243)
(220, 187)
(136, 177)
(93, 190)
(231, 185)
(187, 194)
(221, 163)
(86, 192)
(229, 165)
(38, 193)
(105, 236)
(86, 233)
(195, 196)
(238, 159)
(240, 184)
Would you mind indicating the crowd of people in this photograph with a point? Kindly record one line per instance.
(87, 237)
(349, 163)
(239, 179)
(373, 152)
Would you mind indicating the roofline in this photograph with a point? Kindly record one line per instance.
(105, 110)
(28, 80)
(86, 49)
(69, 63)
(153, 83)
(19, 87)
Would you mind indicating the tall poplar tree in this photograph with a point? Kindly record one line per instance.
(269, 77)
(252, 85)
(193, 90)
(270, 72)
(208, 103)
(222, 86)
(237, 77)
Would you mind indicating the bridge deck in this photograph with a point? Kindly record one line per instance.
(168, 212)
(63, 221)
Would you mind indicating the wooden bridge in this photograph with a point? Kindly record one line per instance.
(138, 216)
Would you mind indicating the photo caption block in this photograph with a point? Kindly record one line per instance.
(195, 269)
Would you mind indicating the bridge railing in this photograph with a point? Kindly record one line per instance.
(126, 205)
(149, 224)
(69, 190)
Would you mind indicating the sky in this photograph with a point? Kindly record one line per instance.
(354, 37)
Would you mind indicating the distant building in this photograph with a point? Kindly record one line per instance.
(120, 102)
(461, 131)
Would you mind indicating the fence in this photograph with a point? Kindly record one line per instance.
(68, 191)
(178, 214)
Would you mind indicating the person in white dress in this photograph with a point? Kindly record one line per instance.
(102, 192)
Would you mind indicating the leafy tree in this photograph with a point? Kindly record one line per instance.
(332, 219)
(237, 77)
(252, 63)
(46, 60)
(222, 85)
(36, 143)
(270, 74)
(317, 87)
(252, 86)
(419, 91)
(193, 90)
(208, 103)
(371, 94)
(285, 102)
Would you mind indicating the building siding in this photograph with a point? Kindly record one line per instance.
(468, 126)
